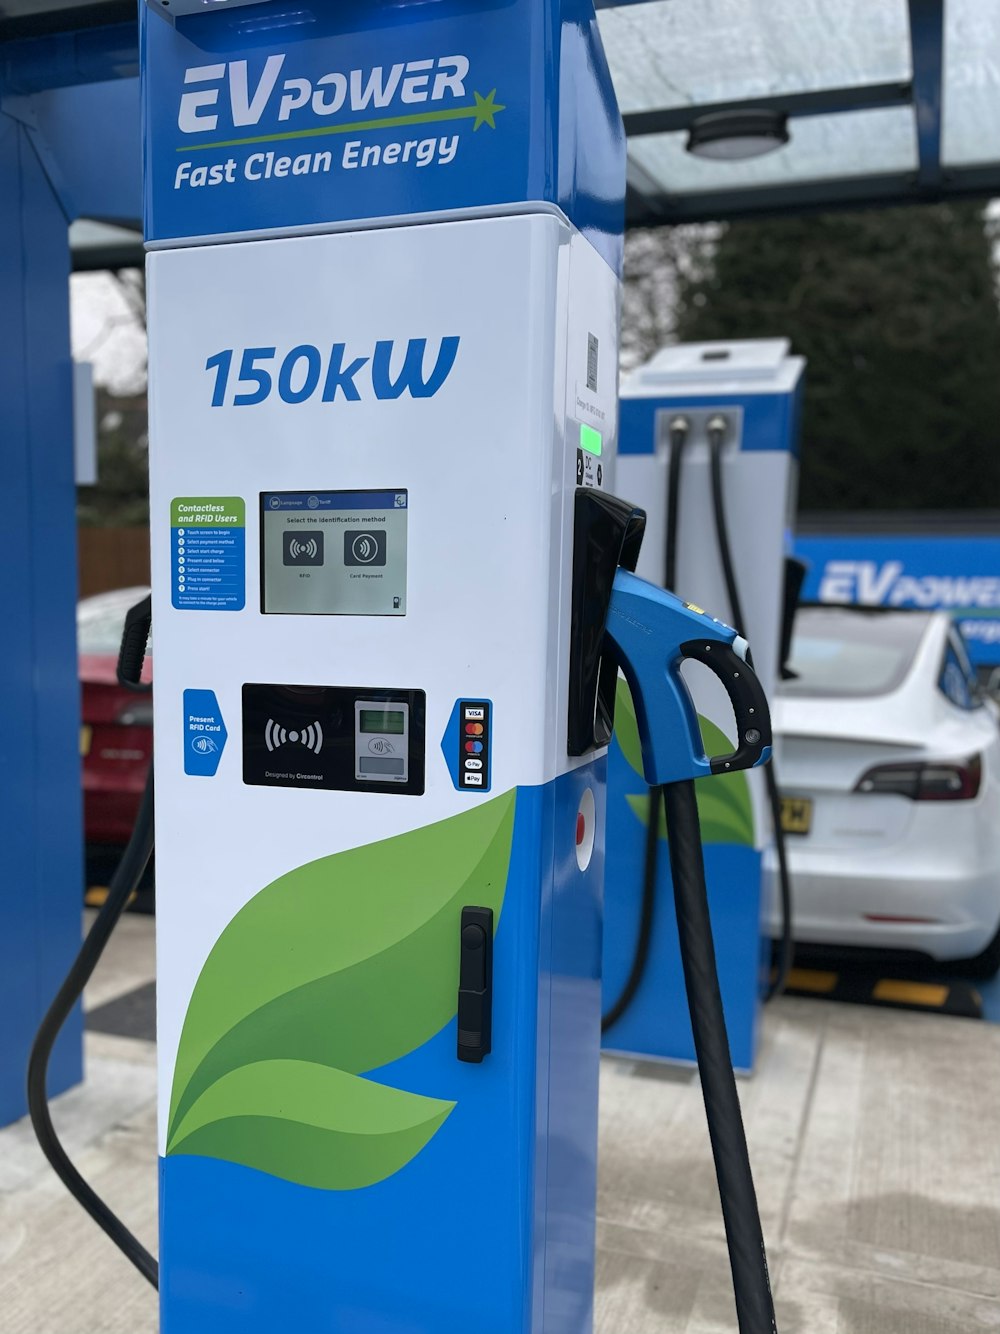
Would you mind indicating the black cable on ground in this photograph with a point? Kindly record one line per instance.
(747, 1257)
(679, 430)
(124, 882)
(786, 950)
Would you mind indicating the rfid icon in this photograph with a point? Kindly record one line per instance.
(204, 732)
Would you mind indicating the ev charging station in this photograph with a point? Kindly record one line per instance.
(393, 591)
(379, 1045)
(384, 254)
(747, 395)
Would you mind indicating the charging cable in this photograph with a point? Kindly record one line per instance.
(680, 430)
(717, 429)
(124, 883)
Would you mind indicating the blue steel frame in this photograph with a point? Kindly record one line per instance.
(53, 167)
(40, 824)
(923, 91)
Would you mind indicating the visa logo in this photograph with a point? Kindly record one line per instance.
(874, 585)
(248, 97)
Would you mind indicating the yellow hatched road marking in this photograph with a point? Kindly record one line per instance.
(96, 894)
(911, 993)
(812, 979)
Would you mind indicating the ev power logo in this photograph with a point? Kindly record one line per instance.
(246, 120)
(887, 584)
(973, 598)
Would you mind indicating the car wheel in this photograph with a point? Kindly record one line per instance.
(984, 964)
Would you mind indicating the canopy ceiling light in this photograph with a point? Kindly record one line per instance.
(730, 136)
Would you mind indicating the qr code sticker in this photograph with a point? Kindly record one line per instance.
(591, 362)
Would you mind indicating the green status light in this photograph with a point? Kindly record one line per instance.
(590, 440)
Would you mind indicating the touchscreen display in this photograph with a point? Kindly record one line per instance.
(333, 553)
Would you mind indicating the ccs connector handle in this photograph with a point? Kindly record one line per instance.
(135, 638)
(653, 632)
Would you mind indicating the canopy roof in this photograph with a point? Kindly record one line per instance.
(888, 101)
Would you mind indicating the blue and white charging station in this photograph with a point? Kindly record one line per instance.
(384, 276)
(392, 592)
(384, 254)
(748, 395)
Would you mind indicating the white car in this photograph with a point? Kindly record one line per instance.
(888, 759)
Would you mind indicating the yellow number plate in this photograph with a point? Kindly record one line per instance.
(85, 735)
(796, 814)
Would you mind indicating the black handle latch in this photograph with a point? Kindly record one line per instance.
(475, 984)
(746, 694)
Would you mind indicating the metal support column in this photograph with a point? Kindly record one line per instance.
(40, 803)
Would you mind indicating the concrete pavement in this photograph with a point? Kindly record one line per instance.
(874, 1136)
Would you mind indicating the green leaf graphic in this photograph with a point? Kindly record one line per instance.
(724, 807)
(342, 965)
(626, 727)
(310, 1124)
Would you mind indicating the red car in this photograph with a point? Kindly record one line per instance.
(116, 737)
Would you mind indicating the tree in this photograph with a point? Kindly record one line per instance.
(658, 264)
(121, 497)
(896, 312)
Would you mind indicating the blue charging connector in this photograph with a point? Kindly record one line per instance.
(654, 633)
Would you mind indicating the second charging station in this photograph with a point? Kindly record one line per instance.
(743, 399)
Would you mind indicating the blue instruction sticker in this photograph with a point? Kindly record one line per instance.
(208, 553)
(204, 733)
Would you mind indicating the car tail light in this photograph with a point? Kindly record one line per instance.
(925, 781)
(136, 713)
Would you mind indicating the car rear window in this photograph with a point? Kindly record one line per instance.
(843, 654)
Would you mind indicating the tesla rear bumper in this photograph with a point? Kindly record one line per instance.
(898, 905)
